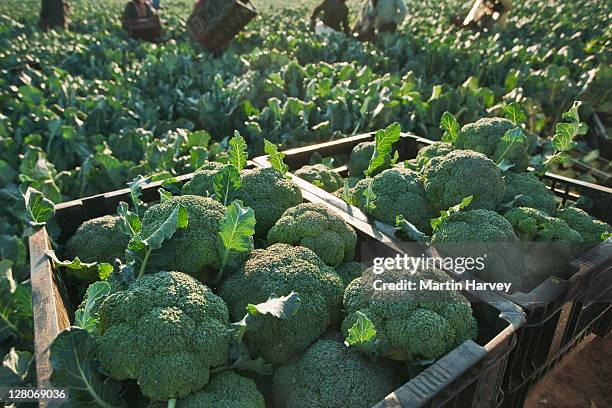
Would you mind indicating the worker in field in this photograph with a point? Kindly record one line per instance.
(380, 16)
(335, 15)
(485, 14)
(53, 13)
(138, 9)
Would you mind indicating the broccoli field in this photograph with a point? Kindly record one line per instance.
(233, 287)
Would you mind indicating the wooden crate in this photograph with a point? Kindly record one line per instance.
(470, 375)
(146, 28)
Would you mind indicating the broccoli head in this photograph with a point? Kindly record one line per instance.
(321, 176)
(462, 173)
(398, 191)
(589, 228)
(317, 228)
(485, 136)
(166, 330)
(360, 160)
(98, 240)
(532, 225)
(411, 325)
(224, 390)
(436, 149)
(269, 195)
(525, 190)
(349, 271)
(202, 182)
(195, 249)
(331, 375)
(281, 269)
(482, 233)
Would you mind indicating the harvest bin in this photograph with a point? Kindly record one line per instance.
(558, 315)
(470, 375)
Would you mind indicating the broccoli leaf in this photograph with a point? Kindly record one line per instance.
(280, 307)
(104, 270)
(84, 317)
(83, 271)
(515, 114)
(509, 139)
(74, 364)
(449, 124)
(410, 230)
(15, 305)
(226, 183)
(15, 368)
(176, 220)
(347, 196)
(362, 335)
(237, 152)
(565, 133)
(384, 141)
(130, 224)
(136, 191)
(275, 157)
(39, 208)
(235, 230)
(164, 195)
(445, 214)
(370, 196)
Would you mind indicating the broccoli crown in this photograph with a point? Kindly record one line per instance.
(280, 269)
(360, 160)
(321, 176)
(436, 149)
(317, 228)
(485, 136)
(533, 225)
(195, 249)
(202, 181)
(479, 233)
(269, 195)
(460, 174)
(165, 331)
(98, 240)
(349, 271)
(589, 228)
(525, 190)
(331, 375)
(224, 390)
(397, 191)
(411, 325)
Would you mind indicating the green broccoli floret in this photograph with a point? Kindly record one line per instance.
(269, 195)
(202, 182)
(485, 136)
(526, 190)
(462, 173)
(436, 149)
(321, 176)
(482, 233)
(317, 228)
(589, 228)
(411, 325)
(398, 191)
(331, 375)
(349, 271)
(98, 240)
(360, 160)
(195, 249)
(531, 225)
(224, 390)
(281, 269)
(165, 331)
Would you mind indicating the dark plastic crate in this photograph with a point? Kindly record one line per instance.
(470, 375)
(146, 28)
(557, 310)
